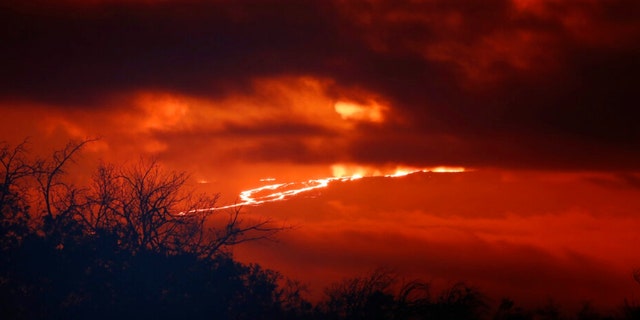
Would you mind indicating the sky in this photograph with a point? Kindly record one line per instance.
(534, 98)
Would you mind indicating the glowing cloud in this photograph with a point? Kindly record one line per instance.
(162, 111)
(372, 112)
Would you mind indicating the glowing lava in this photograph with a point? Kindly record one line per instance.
(283, 191)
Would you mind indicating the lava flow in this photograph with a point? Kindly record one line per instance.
(283, 191)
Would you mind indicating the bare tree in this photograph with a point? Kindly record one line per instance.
(62, 201)
(151, 209)
(14, 215)
(14, 167)
(142, 206)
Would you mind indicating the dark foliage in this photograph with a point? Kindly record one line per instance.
(373, 297)
(94, 278)
(133, 246)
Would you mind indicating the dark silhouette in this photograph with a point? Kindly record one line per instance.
(133, 244)
(373, 297)
(150, 210)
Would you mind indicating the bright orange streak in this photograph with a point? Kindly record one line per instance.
(448, 169)
(284, 191)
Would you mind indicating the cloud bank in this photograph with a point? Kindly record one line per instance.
(505, 83)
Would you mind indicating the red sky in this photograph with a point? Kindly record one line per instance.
(535, 97)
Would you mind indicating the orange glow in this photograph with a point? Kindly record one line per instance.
(448, 169)
(484, 225)
(286, 99)
(342, 170)
(162, 111)
(341, 173)
(372, 112)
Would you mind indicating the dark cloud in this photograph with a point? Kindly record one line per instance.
(502, 83)
(527, 88)
(73, 54)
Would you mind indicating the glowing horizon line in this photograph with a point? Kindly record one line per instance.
(247, 196)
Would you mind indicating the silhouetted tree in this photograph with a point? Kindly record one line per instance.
(150, 209)
(14, 218)
(550, 311)
(373, 297)
(461, 301)
(137, 243)
(588, 312)
(62, 201)
(631, 308)
(294, 305)
(367, 297)
(134, 244)
(507, 310)
(14, 207)
(414, 300)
